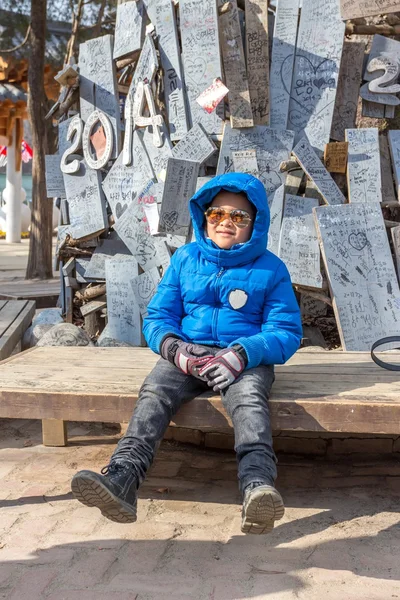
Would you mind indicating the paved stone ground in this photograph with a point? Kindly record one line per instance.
(339, 538)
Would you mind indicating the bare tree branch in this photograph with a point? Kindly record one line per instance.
(19, 45)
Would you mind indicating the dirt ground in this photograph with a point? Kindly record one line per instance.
(339, 538)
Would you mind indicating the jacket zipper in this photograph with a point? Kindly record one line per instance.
(215, 312)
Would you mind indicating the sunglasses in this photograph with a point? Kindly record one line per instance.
(240, 218)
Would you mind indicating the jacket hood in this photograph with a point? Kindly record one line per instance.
(239, 253)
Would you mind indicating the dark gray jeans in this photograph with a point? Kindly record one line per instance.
(246, 401)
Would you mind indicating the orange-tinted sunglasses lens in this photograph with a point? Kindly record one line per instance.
(240, 218)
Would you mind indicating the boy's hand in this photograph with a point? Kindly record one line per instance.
(188, 357)
(223, 369)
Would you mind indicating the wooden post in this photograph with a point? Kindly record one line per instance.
(257, 56)
(54, 432)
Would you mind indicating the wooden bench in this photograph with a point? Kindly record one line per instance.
(15, 318)
(315, 391)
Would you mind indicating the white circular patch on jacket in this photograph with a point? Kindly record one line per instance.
(237, 299)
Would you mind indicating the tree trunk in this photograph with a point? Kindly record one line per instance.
(40, 247)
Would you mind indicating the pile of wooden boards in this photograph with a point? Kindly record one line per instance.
(138, 145)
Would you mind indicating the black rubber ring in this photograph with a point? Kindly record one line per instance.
(381, 363)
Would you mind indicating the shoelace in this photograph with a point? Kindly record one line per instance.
(123, 455)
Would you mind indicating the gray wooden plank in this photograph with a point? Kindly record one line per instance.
(314, 168)
(363, 165)
(9, 313)
(201, 59)
(54, 177)
(122, 183)
(158, 156)
(111, 247)
(122, 309)
(395, 232)
(354, 9)
(388, 194)
(17, 327)
(86, 202)
(311, 307)
(129, 28)
(275, 201)
(196, 145)
(170, 59)
(98, 83)
(257, 59)
(360, 270)
(63, 143)
(348, 87)
(144, 287)
(272, 147)
(316, 71)
(245, 161)
(3, 303)
(235, 68)
(180, 185)
(394, 144)
(298, 243)
(293, 181)
(282, 61)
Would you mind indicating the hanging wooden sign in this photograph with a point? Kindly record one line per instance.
(257, 59)
(364, 165)
(360, 270)
(201, 59)
(298, 244)
(282, 61)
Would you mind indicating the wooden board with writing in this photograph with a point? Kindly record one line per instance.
(235, 68)
(350, 75)
(196, 145)
(395, 233)
(360, 270)
(364, 167)
(146, 66)
(316, 71)
(272, 147)
(245, 161)
(394, 145)
(353, 9)
(314, 168)
(388, 194)
(179, 187)
(63, 143)
(133, 229)
(293, 181)
(110, 247)
(122, 309)
(54, 177)
(86, 202)
(282, 61)
(311, 307)
(201, 59)
(275, 202)
(335, 157)
(144, 287)
(158, 155)
(129, 28)
(170, 59)
(298, 243)
(98, 83)
(122, 183)
(257, 58)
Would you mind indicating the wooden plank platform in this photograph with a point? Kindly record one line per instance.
(44, 292)
(15, 318)
(314, 391)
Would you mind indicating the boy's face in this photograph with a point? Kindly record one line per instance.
(225, 233)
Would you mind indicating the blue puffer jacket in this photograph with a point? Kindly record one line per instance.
(193, 299)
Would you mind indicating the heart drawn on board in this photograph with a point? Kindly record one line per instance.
(169, 220)
(358, 240)
(308, 88)
(195, 70)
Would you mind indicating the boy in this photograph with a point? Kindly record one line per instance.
(223, 314)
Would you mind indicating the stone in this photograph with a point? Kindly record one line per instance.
(48, 316)
(65, 334)
(34, 333)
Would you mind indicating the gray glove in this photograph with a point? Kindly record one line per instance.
(223, 369)
(188, 357)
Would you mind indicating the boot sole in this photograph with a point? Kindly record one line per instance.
(264, 507)
(91, 492)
